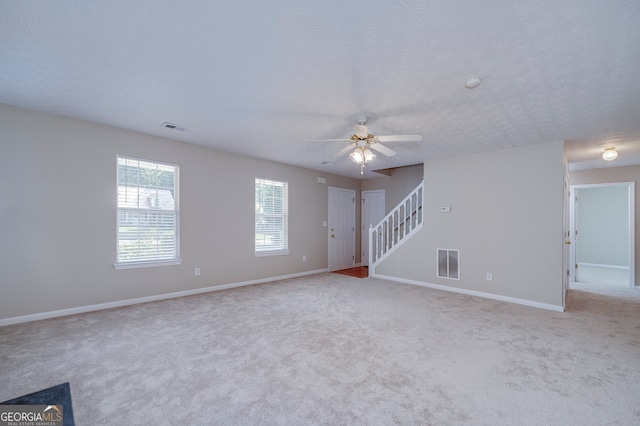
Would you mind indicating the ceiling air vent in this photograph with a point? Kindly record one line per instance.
(173, 126)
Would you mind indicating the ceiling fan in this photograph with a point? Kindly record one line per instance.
(362, 142)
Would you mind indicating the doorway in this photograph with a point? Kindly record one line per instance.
(602, 231)
(566, 236)
(373, 210)
(342, 228)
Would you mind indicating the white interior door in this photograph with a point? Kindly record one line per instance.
(342, 228)
(372, 212)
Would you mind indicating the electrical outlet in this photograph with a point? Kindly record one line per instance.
(196, 271)
(304, 258)
(489, 276)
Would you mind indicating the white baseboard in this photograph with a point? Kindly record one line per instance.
(533, 304)
(120, 303)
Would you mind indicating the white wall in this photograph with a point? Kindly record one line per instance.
(611, 175)
(506, 218)
(58, 212)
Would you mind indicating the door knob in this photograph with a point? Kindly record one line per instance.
(567, 242)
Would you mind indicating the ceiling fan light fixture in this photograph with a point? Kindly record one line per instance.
(362, 155)
(609, 154)
(357, 157)
(368, 155)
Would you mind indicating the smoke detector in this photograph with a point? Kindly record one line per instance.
(472, 83)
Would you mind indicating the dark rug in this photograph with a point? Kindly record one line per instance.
(56, 395)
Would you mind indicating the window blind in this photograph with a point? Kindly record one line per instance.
(147, 220)
(271, 217)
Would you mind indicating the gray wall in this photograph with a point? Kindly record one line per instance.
(610, 175)
(506, 218)
(58, 211)
(397, 185)
(603, 226)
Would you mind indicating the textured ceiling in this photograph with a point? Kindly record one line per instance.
(264, 78)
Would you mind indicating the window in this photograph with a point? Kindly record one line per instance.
(147, 218)
(271, 217)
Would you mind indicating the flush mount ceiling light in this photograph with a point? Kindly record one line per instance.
(472, 83)
(609, 154)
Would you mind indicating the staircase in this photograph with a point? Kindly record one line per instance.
(396, 228)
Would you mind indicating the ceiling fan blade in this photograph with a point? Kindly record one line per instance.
(400, 138)
(344, 150)
(382, 149)
(331, 140)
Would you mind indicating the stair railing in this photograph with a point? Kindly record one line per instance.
(397, 227)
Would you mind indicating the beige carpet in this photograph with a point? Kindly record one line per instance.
(332, 349)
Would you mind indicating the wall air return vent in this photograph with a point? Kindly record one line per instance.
(173, 126)
(449, 264)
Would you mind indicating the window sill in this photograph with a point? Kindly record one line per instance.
(133, 265)
(271, 253)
